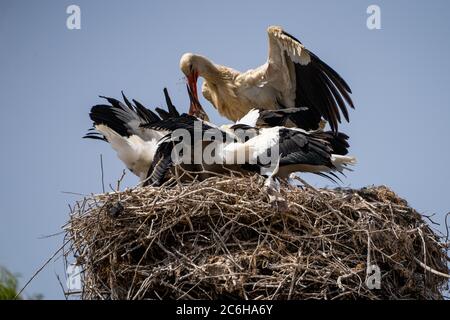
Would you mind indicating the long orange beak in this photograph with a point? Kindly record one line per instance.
(196, 108)
(192, 84)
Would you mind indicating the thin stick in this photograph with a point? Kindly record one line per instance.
(120, 180)
(40, 269)
(61, 285)
(438, 273)
(103, 175)
(447, 229)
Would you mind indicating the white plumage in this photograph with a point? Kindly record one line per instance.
(120, 125)
(143, 143)
(136, 153)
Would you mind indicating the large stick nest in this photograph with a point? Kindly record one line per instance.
(225, 238)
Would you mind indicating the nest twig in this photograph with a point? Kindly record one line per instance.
(223, 238)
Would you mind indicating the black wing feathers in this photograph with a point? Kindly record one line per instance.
(320, 87)
(146, 114)
(163, 113)
(296, 147)
(305, 118)
(291, 36)
(172, 109)
(114, 119)
(161, 164)
(118, 116)
(338, 142)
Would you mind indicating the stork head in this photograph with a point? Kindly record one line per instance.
(189, 65)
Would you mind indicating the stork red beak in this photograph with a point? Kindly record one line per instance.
(192, 85)
(196, 108)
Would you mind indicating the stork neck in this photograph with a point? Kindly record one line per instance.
(209, 70)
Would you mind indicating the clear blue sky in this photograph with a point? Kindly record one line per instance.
(50, 76)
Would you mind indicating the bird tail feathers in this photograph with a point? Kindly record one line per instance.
(341, 163)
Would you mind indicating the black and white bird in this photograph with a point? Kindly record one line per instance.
(144, 141)
(292, 77)
(242, 146)
(119, 123)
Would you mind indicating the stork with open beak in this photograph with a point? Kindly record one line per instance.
(195, 107)
(292, 77)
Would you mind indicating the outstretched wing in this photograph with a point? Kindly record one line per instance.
(308, 149)
(311, 81)
(298, 147)
(183, 121)
(124, 118)
(127, 118)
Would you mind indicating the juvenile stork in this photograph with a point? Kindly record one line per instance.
(292, 77)
(119, 124)
(318, 152)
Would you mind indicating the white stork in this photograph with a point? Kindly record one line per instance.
(318, 152)
(120, 124)
(298, 151)
(292, 77)
(142, 141)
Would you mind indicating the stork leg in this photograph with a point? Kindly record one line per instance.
(272, 186)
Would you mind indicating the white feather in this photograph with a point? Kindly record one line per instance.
(134, 152)
(267, 138)
(341, 162)
(250, 118)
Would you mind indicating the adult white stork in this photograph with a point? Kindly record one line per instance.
(292, 77)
